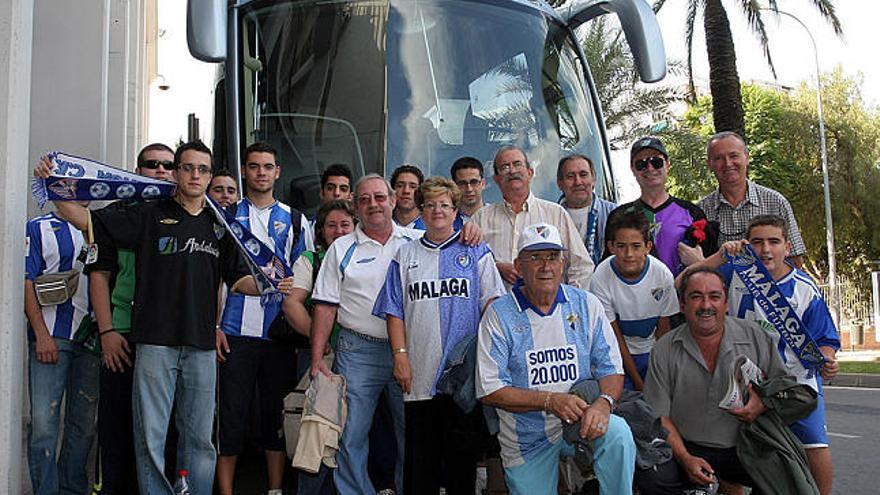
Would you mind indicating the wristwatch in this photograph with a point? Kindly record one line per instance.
(609, 399)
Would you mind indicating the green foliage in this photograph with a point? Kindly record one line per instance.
(784, 155)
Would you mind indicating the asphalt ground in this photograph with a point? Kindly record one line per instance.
(852, 416)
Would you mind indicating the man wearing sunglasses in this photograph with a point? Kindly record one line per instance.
(670, 217)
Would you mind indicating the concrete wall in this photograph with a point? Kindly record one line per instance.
(15, 74)
(72, 78)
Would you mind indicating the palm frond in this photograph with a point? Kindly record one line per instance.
(752, 11)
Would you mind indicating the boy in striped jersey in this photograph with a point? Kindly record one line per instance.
(249, 359)
(58, 366)
(768, 236)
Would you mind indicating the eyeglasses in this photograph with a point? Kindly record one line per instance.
(538, 258)
(365, 198)
(472, 183)
(154, 164)
(437, 206)
(655, 161)
(191, 167)
(507, 167)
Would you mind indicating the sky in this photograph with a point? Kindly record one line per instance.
(190, 82)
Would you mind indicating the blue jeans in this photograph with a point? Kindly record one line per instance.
(367, 366)
(161, 375)
(74, 376)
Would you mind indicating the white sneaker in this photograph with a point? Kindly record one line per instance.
(386, 491)
(275, 491)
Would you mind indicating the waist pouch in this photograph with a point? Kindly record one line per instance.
(56, 288)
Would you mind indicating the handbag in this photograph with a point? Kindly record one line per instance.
(56, 288)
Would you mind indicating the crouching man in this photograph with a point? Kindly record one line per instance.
(535, 343)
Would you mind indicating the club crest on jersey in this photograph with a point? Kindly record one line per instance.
(657, 293)
(437, 288)
(65, 188)
(572, 320)
(463, 260)
(279, 227)
(219, 231)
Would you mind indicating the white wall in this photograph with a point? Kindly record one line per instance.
(15, 72)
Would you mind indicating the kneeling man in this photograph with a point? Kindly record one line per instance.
(688, 376)
(535, 343)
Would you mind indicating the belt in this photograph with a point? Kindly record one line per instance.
(368, 338)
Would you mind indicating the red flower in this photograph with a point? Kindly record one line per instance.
(699, 230)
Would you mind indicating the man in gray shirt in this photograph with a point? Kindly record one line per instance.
(688, 376)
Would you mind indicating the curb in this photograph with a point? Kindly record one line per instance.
(855, 380)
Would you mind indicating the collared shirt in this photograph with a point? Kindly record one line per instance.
(52, 246)
(244, 315)
(501, 229)
(636, 305)
(807, 302)
(353, 273)
(590, 222)
(521, 346)
(439, 291)
(680, 387)
(760, 200)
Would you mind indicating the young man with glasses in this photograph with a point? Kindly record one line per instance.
(671, 218)
(467, 173)
(503, 221)
(249, 359)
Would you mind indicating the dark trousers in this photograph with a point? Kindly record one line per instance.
(669, 478)
(441, 447)
(115, 440)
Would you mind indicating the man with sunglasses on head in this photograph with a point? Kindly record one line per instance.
(670, 217)
(737, 199)
(249, 359)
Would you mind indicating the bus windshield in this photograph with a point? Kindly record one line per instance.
(378, 84)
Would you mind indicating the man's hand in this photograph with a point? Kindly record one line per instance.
(594, 423)
(222, 346)
(567, 407)
(43, 168)
(690, 255)
(831, 367)
(471, 234)
(47, 351)
(698, 470)
(115, 351)
(508, 272)
(318, 366)
(733, 248)
(403, 372)
(753, 408)
(285, 285)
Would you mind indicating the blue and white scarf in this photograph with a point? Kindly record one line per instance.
(267, 268)
(780, 314)
(80, 179)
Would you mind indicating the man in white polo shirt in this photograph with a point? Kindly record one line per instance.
(350, 279)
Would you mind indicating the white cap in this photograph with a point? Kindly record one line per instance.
(540, 236)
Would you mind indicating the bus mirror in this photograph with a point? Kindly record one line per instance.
(206, 29)
(639, 25)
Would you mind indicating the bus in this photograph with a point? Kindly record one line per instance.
(375, 84)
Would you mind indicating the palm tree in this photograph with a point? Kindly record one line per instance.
(724, 84)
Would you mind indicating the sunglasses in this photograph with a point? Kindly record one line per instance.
(154, 164)
(655, 161)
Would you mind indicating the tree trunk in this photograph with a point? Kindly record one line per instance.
(727, 107)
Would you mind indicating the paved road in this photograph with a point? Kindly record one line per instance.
(853, 418)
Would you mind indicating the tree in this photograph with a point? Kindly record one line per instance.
(628, 106)
(784, 155)
(724, 83)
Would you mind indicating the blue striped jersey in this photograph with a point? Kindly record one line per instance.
(52, 246)
(636, 305)
(243, 315)
(520, 346)
(806, 300)
(439, 291)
